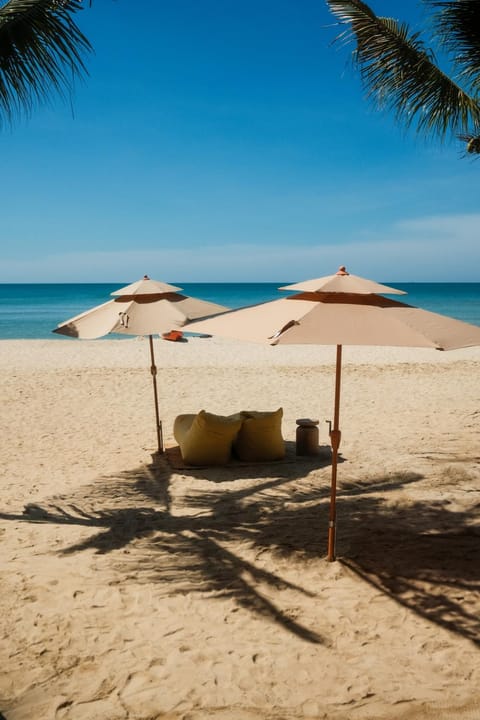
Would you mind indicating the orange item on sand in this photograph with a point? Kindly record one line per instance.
(172, 335)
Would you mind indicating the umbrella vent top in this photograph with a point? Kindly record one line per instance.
(343, 282)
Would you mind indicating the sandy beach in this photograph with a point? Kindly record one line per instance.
(136, 589)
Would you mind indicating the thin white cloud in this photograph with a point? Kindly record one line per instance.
(437, 248)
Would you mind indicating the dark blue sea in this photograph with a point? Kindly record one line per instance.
(32, 311)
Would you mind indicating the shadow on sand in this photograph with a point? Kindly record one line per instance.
(423, 555)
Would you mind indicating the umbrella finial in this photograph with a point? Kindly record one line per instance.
(342, 270)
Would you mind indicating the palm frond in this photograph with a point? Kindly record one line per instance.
(401, 74)
(41, 51)
(472, 143)
(457, 29)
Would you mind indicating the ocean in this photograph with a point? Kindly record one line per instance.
(32, 311)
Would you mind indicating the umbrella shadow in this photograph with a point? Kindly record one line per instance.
(291, 466)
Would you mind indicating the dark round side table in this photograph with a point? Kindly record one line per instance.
(307, 437)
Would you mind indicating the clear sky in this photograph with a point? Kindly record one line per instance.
(228, 140)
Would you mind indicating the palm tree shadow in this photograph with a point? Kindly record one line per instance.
(426, 559)
(120, 523)
(186, 551)
(422, 556)
(196, 561)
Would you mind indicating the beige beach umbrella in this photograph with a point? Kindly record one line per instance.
(339, 310)
(146, 307)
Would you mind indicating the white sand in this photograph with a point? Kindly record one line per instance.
(133, 590)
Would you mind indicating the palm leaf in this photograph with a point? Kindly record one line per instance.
(457, 27)
(472, 143)
(41, 52)
(401, 74)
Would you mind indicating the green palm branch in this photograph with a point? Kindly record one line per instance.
(457, 30)
(41, 50)
(401, 73)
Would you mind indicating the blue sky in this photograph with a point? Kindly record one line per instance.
(226, 141)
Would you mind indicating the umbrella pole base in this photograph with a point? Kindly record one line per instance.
(161, 449)
(331, 543)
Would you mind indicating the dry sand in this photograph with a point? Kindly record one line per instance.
(134, 589)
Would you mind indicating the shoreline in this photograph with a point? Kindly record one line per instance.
(130, 351)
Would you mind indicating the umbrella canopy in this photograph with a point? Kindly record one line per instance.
(339, 310)
(343, 282)
(146, 307)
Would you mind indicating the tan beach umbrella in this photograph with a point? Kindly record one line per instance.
(146, 307)
(339, 310)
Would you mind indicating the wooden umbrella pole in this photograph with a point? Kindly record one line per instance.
(335, 437)
(153, 370)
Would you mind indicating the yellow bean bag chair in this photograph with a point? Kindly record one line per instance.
(206, 438)
(260, 437)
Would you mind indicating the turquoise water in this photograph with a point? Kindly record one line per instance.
(32, 311)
